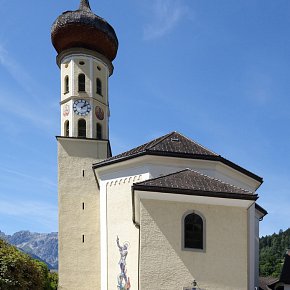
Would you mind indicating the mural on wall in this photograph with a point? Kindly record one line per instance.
(123, 279)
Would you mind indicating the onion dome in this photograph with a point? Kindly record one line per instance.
(83, 29)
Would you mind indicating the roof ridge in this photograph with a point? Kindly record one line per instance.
(160, 139)
(198, 144)
(219, 180)
(202, 174)
(162, 176)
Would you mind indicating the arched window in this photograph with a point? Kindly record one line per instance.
(99, 132)
(193, 231)
(66, 128)
(82, 128)
(66, 84)
(82, 83)
(99, 87)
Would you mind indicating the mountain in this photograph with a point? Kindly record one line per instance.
(43, 247)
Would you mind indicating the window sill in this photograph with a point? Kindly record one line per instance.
(193, 250)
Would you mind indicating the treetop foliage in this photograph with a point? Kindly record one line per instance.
(18, 271)
(272, 252)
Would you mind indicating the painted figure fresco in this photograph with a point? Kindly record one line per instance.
(123, 279)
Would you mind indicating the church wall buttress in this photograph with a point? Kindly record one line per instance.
(122, 234)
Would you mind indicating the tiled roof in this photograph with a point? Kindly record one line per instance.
(265, 282)
(173, 142)
(191, 182)
(175, 145)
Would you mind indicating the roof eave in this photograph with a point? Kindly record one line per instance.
(183, 155)
(195, 192)
(261, 210)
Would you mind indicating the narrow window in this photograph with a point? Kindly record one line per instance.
(66, 84)
(82, 83)
(66, 128)
(99, 87)
(99, 131)
(82, 128)
(83, 238)
(193, 231)
(83, 206)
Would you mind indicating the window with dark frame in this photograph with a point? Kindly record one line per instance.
(66, 128)
(82, 83)
(99, 87)
(82, 128)
(99, 131)
(66, 84)
(193, 231)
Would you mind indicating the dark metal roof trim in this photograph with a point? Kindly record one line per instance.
(195, 192)
(261, 209)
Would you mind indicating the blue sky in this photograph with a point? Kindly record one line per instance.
(216, 71)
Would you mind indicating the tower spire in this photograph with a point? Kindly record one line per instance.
(85, 5)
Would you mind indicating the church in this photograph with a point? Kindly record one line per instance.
(167, 215)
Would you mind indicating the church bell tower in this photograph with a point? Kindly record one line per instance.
(86, 45)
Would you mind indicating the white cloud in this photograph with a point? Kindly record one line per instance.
(43, 213)
(16, 71)
(23, 107)
(27, 103)
(166, 15)
(31, 178)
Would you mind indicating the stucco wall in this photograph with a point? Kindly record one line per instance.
(79, 262)
(164, 266)
(119, 222)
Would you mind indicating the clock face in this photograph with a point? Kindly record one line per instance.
(82, 107)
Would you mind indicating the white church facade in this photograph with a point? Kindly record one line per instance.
(169, 214)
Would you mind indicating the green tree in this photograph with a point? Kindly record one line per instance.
(18, 271)
(272, 251)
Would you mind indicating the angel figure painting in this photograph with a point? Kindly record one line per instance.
(123, 279)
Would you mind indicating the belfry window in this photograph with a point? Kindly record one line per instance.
(99, 132)
(66, 84)
(66, 128)
(99, 87)
(193, 231)
(82, 128)
(82, 83)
